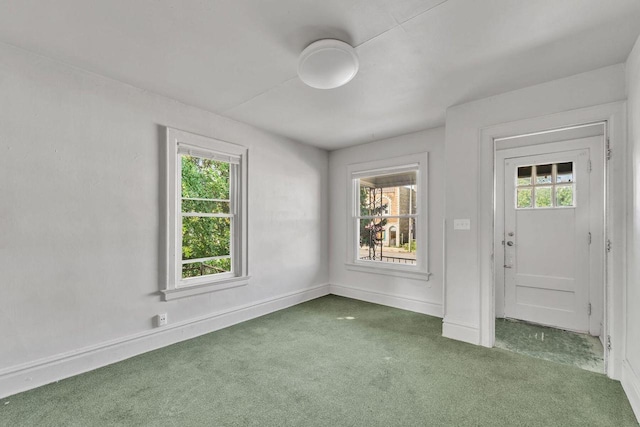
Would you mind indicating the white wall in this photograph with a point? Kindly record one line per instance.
(80, 191)
(80, 221)
(464, 125)
(411, 294)
(631, 365)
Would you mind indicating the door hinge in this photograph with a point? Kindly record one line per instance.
(608, 245)
(609, 151)
(609, 342)
(589, 237)
(589, 309)
(589, 166)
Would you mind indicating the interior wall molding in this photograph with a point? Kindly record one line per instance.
(631, 385)
(19, 378)
(460, 331)
(430, 308)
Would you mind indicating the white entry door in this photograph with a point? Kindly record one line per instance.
(547, 239)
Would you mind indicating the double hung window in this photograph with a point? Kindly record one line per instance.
(388, 216)
(206, 215)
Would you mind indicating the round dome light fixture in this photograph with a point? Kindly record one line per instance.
(328, 64)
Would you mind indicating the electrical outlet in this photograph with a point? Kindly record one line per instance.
(161, 319)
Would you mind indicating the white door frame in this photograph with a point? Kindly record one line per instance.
(614, 115)
(595, 145)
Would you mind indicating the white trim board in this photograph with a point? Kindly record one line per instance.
(614, 114)
(397, 301)
(30, 375)
(631, 386)
(461, 332)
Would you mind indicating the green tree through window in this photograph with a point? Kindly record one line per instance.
(371, 230)
(205, 190)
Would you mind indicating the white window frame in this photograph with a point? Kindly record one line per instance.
(417, 162)
(179, 142)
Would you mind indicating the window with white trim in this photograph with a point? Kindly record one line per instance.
(387, 224)
(207, 232)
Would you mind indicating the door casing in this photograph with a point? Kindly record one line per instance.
(613, 115)
(596, 226)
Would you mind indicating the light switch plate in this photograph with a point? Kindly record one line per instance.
(462, 224)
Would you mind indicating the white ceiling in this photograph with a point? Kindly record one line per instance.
(238, 58)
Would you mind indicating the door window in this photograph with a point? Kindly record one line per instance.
(545, 186)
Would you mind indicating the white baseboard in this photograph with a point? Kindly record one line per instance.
(397, 301)
(631, 385)
(34, 374)
(460, 331)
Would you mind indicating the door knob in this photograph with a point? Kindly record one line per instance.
(509, 243)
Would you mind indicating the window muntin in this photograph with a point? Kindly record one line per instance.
(207, 215)
(387, 202)
(544, 186)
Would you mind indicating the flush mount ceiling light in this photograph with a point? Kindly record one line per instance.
(327, 64)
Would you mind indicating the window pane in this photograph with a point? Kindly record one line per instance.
(371, 233)
(565, 172)
(214, 266)
(392, 194)
(406, 199)
(564, 195)
(406, 253)
(391, 240)
(543, 197)
(543, 174)
(205, 206)
(204, 178)
(371, 200)
(387, 238)
(204, 237)
(364, 198)
(524, 175)
(524, 198)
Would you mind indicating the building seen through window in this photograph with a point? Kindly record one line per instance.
(387, 221)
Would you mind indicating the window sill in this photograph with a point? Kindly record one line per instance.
(388, 271)
(187, 291)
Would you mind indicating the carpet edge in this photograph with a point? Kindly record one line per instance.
(430, 308)
(27, 376)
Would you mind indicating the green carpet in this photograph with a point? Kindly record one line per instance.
(556, 345)
(329, 362)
